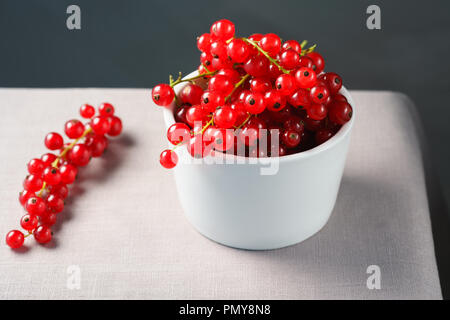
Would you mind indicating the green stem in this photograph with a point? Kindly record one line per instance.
(237, 85)
(179, 79)
(245, 121)
(253, 43)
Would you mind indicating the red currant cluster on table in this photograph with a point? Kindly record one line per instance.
(45, 187)
(250, 84)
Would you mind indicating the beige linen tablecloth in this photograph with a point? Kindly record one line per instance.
(123, 233)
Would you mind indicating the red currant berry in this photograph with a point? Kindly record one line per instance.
(271, 43)
(195, 114)
(178, 133)
(52, 176)
(219, 63)
(198, 148)
(290, 138)
(48, 159)
(257, 66)
(219, 50)
(204, 42)
(223, 29)
(248, 135)
(43, 234)
(211, 100)
(191, 94)
(36, 166)
(35, 206)
(333, 82)
(318, 61)
(312, 125)
(305, 62)
(221, 84)
(106, 109)
(100, 125)
(300, 98)
(29, 222)
(74, 129)
(273, 72)
(317, 111)
(225, 117)
(97, 144)
(60, 190)
(68, 173)
(80, 155)
(180, 113)
(295, 123)
(24, 196)
(286, 84)
(339, 97)
(305, 77)
(323, 135)
(256, 37)
(289, 59)
(163, 95)
(115, 126)
(255, 103)
(33, 183)
(238, 50)
(15, 239)
(292, 44)
(340, 112)
(49, 218)
(260, 85)
(223, 139)
(206, 59)
(53, 141)
(55, 203)
(319, 94)
(231, 73)
(275, 101)
(87, 111)
(239, 109)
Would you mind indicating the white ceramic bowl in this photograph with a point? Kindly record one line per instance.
(235, 205)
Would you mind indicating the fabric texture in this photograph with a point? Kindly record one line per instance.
(124, 236)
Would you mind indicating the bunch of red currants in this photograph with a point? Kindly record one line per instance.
(45, 187)
(247, 85)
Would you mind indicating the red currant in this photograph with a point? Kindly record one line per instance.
(289, 59)
(305, 77)
(68, 173)
(87, 111)
(24, 196)
(317, 111)
(223, 29)
(225, 117)
(204, 42)
(295, 123)
(29, 222)
(49, 218)
(223, 139)
(290, 138)
(35, 206)
(100, 125)
(231, 73)
(323, 135)
(340, 112)
(80, 155)
(339, 97)
(191, 94)
(275, 101)
(33, 183)
(48, 159)
(221, 84)
(43, 234)
(260, 85)
(319, 94)
(195, 114)
(286, 84)
(178, 133)
(55, 203)
(52, 176)
(333, 82)
(248, 135)
(60, 190)
(238, 50)
(271, 43)
(74, 129)
(255, 103)
(292, 44)
(36, 166)
(53, 141)
(305, 62)
(219, 50)
(115, 126)
(163, 95)
(198, 148)
(318, 61)
(273, 71)
(106, 109)
(15, 239)
(239, 109)
(300, 98)
(97, 144)
(257, 66)
(211, 100)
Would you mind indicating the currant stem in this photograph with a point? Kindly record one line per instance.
(55, 163)
(245, 121)
(274, 61)
(179, 79)
(237, 85)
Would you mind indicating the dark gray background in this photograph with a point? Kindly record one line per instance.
(138, 43)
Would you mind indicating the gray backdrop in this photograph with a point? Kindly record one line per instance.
(138, 43)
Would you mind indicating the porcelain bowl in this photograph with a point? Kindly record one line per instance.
(239, 206)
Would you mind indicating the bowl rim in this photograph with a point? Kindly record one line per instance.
(343, 132)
